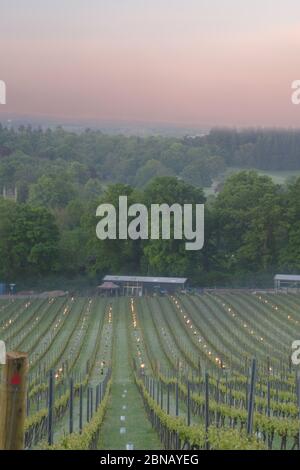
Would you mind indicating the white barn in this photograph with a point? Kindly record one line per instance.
(139, 285)
(287, 281)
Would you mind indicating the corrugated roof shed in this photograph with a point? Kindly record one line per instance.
(287, 277)
(159, 280)
(108, 285)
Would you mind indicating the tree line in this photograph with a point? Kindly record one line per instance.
(90, 160)
(252, 226)
(252, 230)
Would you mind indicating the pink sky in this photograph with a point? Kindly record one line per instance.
(153, 63)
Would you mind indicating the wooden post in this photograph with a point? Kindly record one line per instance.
(298, 400)
(251, 398)
(97, 397)
(13, 392)
(71, 416)
(80, 408)
(269, 400)
(207, 410)
(51, 391)
(88, 405)
(177, 399)
(188, 404)
(92, 399)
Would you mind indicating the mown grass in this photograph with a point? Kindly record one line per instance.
(139, 431)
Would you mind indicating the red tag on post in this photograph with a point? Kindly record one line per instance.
(16, 379)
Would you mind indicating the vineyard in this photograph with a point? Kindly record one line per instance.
(210, 371)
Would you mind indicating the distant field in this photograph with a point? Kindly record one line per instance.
(279, 177)
(159, 349)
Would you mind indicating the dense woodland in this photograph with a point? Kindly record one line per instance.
(252, 225)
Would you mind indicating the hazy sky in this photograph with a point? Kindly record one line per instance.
(202, 62)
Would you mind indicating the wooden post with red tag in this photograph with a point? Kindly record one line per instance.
(13, 388)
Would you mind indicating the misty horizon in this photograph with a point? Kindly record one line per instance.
(205, 65)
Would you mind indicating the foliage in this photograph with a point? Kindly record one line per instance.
(219, 438)
(251, 227)
(28, 242)
(90, 431)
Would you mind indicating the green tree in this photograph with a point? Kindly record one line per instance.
(111, 255)
(248, 211)
(153, 168)
(169, 257)
(51, 191)
(28, 242)
(290, 251)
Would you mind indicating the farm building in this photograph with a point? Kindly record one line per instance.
(109, 288)
(140, 285)
(287, 282)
